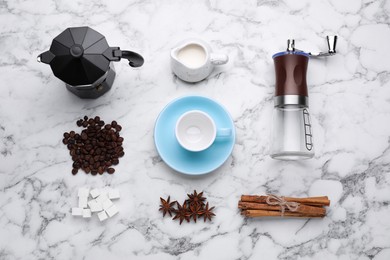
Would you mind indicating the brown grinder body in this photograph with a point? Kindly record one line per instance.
(290, 84)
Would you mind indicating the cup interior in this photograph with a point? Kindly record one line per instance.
(195, 131)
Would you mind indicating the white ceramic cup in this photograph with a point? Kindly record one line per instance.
(193, 60)
(196, 131)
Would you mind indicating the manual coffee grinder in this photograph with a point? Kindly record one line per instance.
(292, 137)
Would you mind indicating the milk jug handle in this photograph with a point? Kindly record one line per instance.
(218, 58)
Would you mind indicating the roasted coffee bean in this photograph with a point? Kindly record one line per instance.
(115, 161)
(100, 170)
(96, 148)
(76, 164)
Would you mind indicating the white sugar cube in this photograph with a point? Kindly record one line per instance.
(95, 206)
(95, 193)
(86, 213)
(103, 193)
(83, 192)
(83, 202)
(91, 203)
(113, 194)
(102, 216)
(112, 211)
(107, 203)
(77, 212)
(102, 198)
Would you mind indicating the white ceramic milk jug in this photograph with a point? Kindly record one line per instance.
(193, 61)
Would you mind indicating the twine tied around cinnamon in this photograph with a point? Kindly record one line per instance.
(274, 200)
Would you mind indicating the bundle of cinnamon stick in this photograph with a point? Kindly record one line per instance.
(274, 206)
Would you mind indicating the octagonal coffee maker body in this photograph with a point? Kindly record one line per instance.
(81, 57)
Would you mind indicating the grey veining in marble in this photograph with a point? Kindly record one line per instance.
(349, 103)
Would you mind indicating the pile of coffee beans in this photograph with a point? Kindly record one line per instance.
(97, 148)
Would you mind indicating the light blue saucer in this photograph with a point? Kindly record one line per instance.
(181, 160)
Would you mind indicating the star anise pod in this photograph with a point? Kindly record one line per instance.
(167, 206)
(194, 211)
(207, 212)
(182, 212)
(196, 199)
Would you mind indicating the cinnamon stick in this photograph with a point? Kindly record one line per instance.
(313, 201)
(270, 213)
(304, 209)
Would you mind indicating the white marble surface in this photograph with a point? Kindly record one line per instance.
(349, 98)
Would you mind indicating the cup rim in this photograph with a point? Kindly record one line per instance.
(212, 140)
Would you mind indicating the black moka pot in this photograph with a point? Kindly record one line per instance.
(81, 57)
